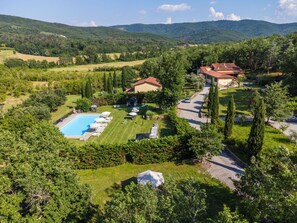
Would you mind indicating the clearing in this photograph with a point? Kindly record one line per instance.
(105, 182)
(13, 101)
(89, 67)
(6, 54)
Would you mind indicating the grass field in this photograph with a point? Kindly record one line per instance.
(105, 182)
(92, 66)
(242, 97)
(122, 128)
(13, 101)
(273, 138)
(6, 54)
(66, 108)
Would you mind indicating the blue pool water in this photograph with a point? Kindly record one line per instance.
(79, 125)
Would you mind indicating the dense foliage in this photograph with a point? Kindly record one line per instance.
(268, 187)
(36, 183)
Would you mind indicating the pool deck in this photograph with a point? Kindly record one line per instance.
(65, 121)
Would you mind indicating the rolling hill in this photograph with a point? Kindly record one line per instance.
(52, 39)
(213, 31)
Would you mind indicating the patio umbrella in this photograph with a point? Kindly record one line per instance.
(155, 178)
(132, 113)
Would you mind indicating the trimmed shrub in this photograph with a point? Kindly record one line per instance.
(92, 156)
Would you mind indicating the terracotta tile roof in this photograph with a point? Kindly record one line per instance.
(208, 71)
(149, 80)
(227, 68)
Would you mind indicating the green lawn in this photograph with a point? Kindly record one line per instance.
(273, 138)
(242, 97)
(122, 128)
(105, 181)
(66, 108)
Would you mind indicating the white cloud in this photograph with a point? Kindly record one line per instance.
(168, 20)
(142, 12)
(288, 7)
(216, 15)
(174, 8)
(233, 17)
(212, 2)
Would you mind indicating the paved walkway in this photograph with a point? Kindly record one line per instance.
(222, 167)
(292, 126)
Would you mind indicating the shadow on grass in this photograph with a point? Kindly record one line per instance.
(116, 187)
(168, 128)
(282, 140)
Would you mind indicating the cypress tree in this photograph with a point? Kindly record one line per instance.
(123, 80)
(83, 89)
(109, 84)
(215, 106)
(105, 82)
(256, 136)
(229, 122)
(89, 90)
(210, 97)
(115, 81)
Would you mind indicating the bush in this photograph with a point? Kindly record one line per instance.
(83, 104)
(92, 156)
(149, 114)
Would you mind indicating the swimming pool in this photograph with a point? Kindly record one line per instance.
(79, 125)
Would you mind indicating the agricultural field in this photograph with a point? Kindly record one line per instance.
(7, 53)
(105, 182)
(89, 67)
(13, 101)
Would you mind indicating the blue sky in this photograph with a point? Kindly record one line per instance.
(116, 12)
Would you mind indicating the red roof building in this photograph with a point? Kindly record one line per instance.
(145, 85)
(223, 73)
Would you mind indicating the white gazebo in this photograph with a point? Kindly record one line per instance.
(155, 178)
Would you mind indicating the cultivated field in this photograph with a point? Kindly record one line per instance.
(13, 101)
(89, 67)
(6, 54)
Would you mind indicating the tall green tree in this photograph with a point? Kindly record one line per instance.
(115, 81)
(268, 189)
(105, 82)
(229, 121)
(215, 106)
(256, 136)
(124, 82)
(254, 102)
(276, 100)
(210, 97)
(208, 142)
(172, 76)
(89, 89)
(32, 188)
(109, 84)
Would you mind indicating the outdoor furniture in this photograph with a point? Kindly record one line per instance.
(105, 114)
(155, 178)
(94, 108)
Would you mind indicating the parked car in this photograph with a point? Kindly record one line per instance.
(187, 100)
(292, 119)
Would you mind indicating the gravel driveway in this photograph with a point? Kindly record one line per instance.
(222, 167)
